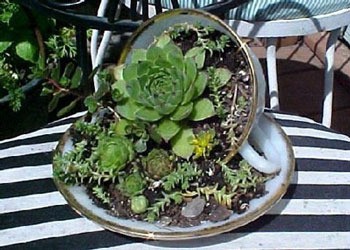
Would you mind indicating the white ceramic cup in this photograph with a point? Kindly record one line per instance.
(154, 27)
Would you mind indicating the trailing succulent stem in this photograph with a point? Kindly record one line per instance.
(221, 196)
(204, 41)
(101, 194)
(181, 177)
(242, 179)
(160, 204)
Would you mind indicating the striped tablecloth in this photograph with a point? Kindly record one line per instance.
(314, 213)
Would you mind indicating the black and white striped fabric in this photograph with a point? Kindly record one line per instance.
(314, 213)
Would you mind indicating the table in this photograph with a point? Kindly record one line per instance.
(313, 214)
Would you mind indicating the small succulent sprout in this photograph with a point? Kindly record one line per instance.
(203, 143)
(114, 152)
(157, 164)
(139, 204)
(132, 185)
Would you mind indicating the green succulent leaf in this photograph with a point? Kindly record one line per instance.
(75, 82)
(120, 127)
(191, 72)
(67, 108)
(168, 129)
(182, 112)
(128, 109)
(223, 75)
(154, 52)
(117, 72)
(147, 114)
(202, 109)
(200, 84)
(130, 72)
(198, 54)
(138, 55)
(133, 88)
(143, 68)
(174, 54)
(56, 73)
(120, 85)
(181, 145)
(54, 101)
(193, 52)
(91, 103)
(163, 40)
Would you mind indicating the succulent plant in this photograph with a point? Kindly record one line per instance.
(139, 204)
(157, 164)
(165, 87)
(203, 143)
(114, 152)
(132, 185)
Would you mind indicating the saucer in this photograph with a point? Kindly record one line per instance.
(79, 200)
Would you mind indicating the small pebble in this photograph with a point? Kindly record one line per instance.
(220, 213)
(165, 221)
(193, 208)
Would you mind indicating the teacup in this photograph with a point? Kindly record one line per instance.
(145, 35)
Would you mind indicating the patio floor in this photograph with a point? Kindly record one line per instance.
(300, 77)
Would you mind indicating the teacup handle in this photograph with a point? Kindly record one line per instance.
(270, 162)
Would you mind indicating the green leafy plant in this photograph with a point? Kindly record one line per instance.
(35, 47)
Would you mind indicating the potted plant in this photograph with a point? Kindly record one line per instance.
(38, 72)
(159, 145)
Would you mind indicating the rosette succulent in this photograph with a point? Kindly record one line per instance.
(114, 152)
(157, 164)
(165, 87)
(132, 185)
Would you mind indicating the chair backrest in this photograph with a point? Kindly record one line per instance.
(82, 15)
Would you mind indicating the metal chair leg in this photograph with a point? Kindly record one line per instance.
(272, 73)
(329, 78)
